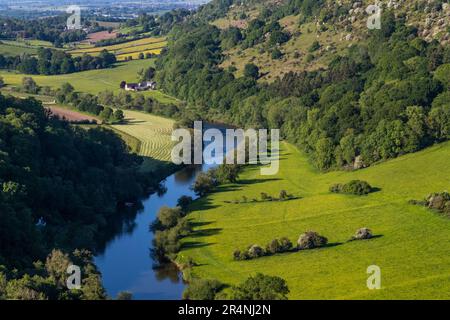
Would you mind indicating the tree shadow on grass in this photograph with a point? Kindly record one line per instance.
(194, 244)
(255, 181)
(199, 224)
(205, 232)
(203, 204)
(331, 245)
(376, 236)
(375, 189)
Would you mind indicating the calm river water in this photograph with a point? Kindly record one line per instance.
(126, 263)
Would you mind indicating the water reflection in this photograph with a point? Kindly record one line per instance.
(124, 259)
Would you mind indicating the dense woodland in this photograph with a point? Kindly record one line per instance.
(158, 25)
(384, 97)
(51, 62)
(60, 187)
(51, 29)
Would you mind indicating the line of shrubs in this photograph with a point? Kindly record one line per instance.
(436, 201)
(284, 196)
(170, 226)
(306, 241)
(357, 187)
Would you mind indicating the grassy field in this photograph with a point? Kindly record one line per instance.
(153, 132)
(412, 249)
(131, 48)
(18, 47)
(94, 81)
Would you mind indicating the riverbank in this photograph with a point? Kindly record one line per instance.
(339, 270)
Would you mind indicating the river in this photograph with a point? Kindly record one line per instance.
(126, 263)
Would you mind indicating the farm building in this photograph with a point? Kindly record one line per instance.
(142, 86)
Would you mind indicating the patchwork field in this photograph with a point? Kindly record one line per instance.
(153, 132)
(131, 48)
(412, 247)
(94, 81)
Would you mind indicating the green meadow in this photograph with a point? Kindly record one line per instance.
(94, 81)
(411, 247)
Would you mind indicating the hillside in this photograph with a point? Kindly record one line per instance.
(411, 247)
(334, 25)
(93, 81)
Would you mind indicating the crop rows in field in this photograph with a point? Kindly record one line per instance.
(153, 132)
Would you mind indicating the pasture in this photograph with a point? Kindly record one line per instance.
(411, 248)
(153, 45)
(18, 47)
(94, 81)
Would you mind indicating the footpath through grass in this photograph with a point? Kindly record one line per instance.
(412, 248)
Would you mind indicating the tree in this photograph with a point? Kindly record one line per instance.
(251, 71)
(29, 85)
(311, 240)
(442, 74)
(148, 74)
(278, 37)
(118, 115)
(324, 153)
(227, 173)
(168, 217)
(183, 202)
(106, 114)
(204, 184)
(202, 289)
(56, 265)
(276, 54)
(261, 287)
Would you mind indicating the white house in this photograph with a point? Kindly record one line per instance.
(142, 86)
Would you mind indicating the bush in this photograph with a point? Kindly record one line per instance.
(168, 217)
(204, 184)
(261, 287)
(239, 255)
(251, 71)
(227, 173)
(274, 247)
(311, 240)
(256, 251)
(279, 246)
(265, 196)
(276, 54)
(183, 202)
(314, 47)
(356, 187)
(201, 289)
(283, 195)
(286, 244)
(362, 234)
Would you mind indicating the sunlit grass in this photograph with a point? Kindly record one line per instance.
(411, 250)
